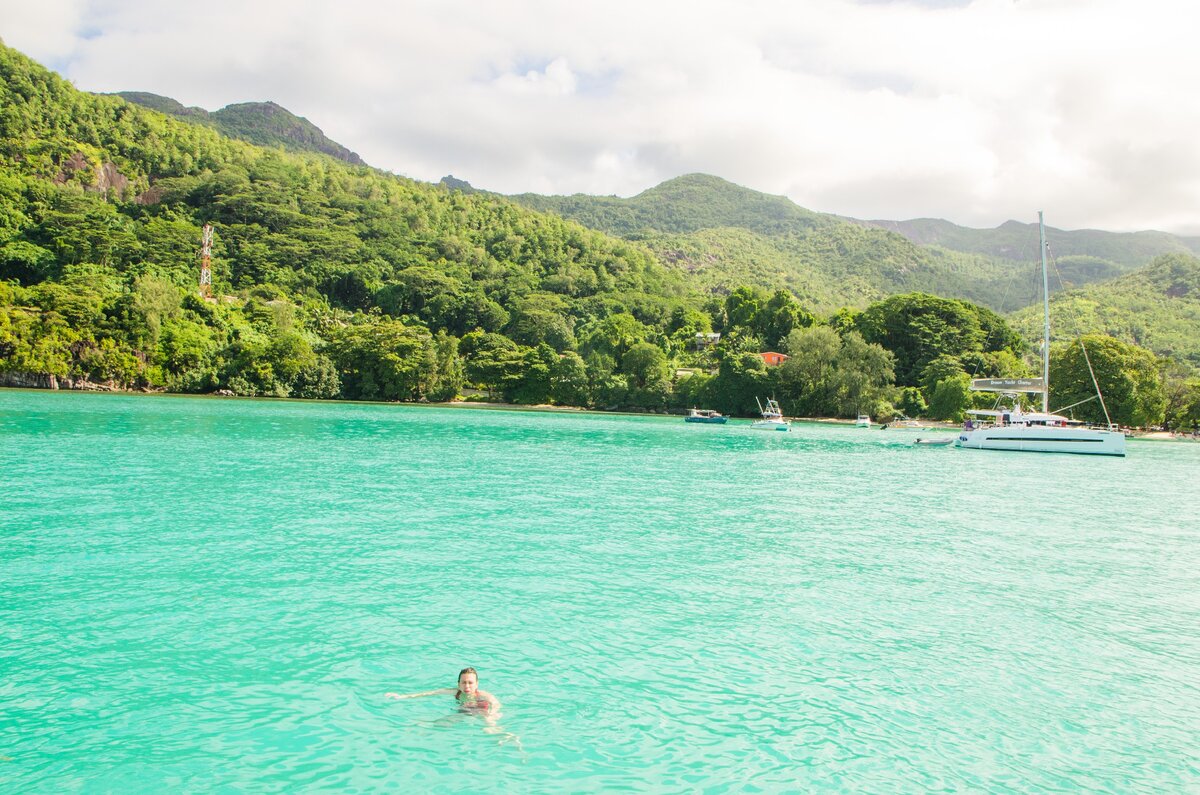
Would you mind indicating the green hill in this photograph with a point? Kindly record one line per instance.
(1098, 255)
(685, 204)
(336, 280)
(1156, 307)
(328, 278)
(725, 234)
(262, 123)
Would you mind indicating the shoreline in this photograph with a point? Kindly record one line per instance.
(926, 425)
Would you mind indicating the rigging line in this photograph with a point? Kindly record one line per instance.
(1095, 383)
(1073, 405)
(1082, 346)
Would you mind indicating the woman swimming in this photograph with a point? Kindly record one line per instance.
(468, 695)
(473, 701)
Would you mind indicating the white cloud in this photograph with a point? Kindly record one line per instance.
(975, 112)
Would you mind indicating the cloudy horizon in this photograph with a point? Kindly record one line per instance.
(975, 112)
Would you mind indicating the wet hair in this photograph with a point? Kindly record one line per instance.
(467, 670)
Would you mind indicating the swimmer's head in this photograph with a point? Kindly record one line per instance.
(468, 681)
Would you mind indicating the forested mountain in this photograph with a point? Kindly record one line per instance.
(263, 123)
(1156, 307)
(1110, 253)
(685, 204)
(334, 280)
(724, 234)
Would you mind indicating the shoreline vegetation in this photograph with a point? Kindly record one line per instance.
(546, 408)
(319, 279)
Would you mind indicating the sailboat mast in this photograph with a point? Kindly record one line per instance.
(1046, 321)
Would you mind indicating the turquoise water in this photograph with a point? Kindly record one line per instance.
(215, 595)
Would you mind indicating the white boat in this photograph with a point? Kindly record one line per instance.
(772, 417)
(934, 441)
(863, 421)
(1013, 428)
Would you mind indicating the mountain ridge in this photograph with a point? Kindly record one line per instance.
(262, 123)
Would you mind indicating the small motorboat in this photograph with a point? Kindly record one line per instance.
(863, 421)
(705, 415)
(935, 441)
(772, 417)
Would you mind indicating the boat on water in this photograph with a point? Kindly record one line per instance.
(1010, 427)
(935, 441)
(863, 421)
(706, 416)
(772, 417)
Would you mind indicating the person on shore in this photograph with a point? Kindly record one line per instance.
(468, 695)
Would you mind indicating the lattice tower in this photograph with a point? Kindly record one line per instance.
(206, 261)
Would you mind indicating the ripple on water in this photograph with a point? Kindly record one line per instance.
(216, 594)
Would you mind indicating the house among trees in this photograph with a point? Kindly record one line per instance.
(771, 358)
(706, 339)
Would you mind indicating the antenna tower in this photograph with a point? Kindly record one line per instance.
(206, 262)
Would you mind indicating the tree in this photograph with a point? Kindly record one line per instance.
(863, 377)
(912, 402)
(950, 398)
(381, 361)
(569, 381)
(808, 378)
(1129, 377)
(615, 334)
(740, 379)
(742, 307)
(779, 317)
(828, 374)
(1181, 387)
(918, 328)
(447, 373)
(535, 382)
(531, 325)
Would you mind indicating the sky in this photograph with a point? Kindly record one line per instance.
(975, 112)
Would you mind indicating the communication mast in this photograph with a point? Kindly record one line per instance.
(206, 261)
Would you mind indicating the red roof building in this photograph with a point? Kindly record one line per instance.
(771, 358)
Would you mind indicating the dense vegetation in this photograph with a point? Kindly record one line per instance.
(263, 123)
(1156, 307)
(1103, 254)
(726, 234)
(332, 280)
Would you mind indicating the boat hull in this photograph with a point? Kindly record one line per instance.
(1044, 439)
(707, 420)
(770, 425)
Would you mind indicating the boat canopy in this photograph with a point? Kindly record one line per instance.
(1016, 416)
(1037, 385)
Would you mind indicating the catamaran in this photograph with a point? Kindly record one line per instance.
(1012, 428)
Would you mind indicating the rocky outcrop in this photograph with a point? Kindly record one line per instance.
(95, 180)
(21, 380)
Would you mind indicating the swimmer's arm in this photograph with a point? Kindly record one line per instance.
(445, 691)
(492, 700)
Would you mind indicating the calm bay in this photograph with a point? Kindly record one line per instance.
(210, 594)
